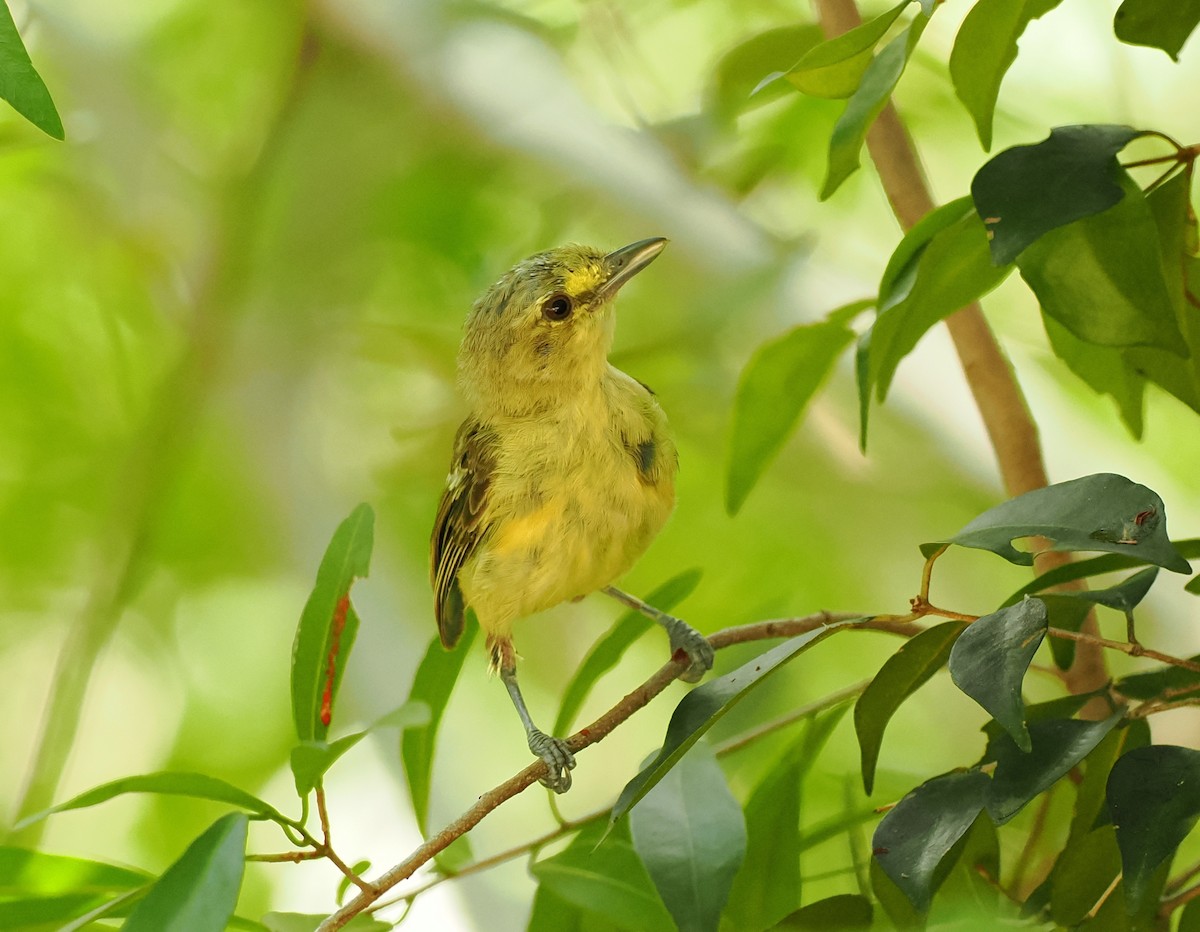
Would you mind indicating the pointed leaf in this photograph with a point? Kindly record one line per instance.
(835, 68)
(606, 652)
(20, 84)
(846, 912)
(1026, 191)
(329, 624)
(1104, 369)
(989, 660)
(1154, 800)
(1095, 566)
(311, 759)
(690, 834)
(876, 86)
(167, 783)
(901, 675)
(1161, 24)
(36, 887)
(432, 685)
(920, 830)
(1057, 746)
(984, 49)
(739, 79)
(701, 708)
(1153, 683)
(773, 392)
(198, 892)
(1101, 512)
(1109, 260)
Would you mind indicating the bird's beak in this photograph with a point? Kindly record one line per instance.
(624, 263)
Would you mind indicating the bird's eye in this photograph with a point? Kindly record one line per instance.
(558, 307)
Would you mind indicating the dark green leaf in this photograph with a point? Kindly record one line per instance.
(1189, 919)
(1193, 585)
(1095, 566)
(846, 912)
(989, 660)
(1082, 875)
(1091, 807)
(1161, 24)
(432, 685)
(941, 265)
(900, 676)
(701, 708)
(1123, 597)
(916, 835)
(1153, 683)
(984, 49)
(20, 84)
(311, 759)
(1101, 512)
(836, 67)
(1066, 614)
(1104, 369)
(740, 78)
(605, 878)
(167, 783)
(1109, 260)
(867, 102)
(690, 834)
(1026, 191)
(607, 652)
(775, 387)
(198, 892)
(329, 624)
(300, 922)
(1057, 746)
(1154, 801)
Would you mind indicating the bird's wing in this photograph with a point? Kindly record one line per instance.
(460, 525)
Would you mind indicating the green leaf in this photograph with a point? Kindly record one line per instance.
(1091, 806)
(605, 877)
(941, 265)
(1026, 191)
(846, 912)
(432, 685)
(920, 830)
(1056, 746)
(1154, 801)
(989, 660)
(893, 900)
(1153, 683)
(607, 651)
(359, 868)
(1123, 597)
(198, 892)
(167, 783)
(300, 922)
(690, 834)
(1083, 872)
(701, 708)
(984, 49)
(1095, 566)
(1109, 260)
(311, 759)
(1189, 919)
(329, 624)
(1161, 24)
(741, 76)
(867, 103)
(1067, 614)
(20, 84)
(775, 387)
(901, 675)
(1104, 369)
(835, 68)
(1103, 512)
(37, 888)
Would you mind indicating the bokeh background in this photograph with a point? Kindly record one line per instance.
(229, 310)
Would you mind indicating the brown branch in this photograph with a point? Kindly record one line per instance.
(1010, 428)
(585, 737)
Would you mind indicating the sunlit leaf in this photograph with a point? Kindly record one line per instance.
(867, 103)
(739, 78)
(701, 708)
(20, 84)
(1161, 24)
(920, 830)
(198, 892)
(36, 887)
(774, 390)
(1154, 800)
(984, 49)
(1104, 369)
(845, 912)
(1026, 191)
(607, 652)
(901, 675)
(989, 660)
(690, 834)
(1104, 512)
(328, 624)
(836, 67)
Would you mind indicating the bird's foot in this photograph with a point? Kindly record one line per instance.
(694, 645)
(558, 757)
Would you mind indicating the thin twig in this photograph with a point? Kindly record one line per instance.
(1169, 906)
(327, 846)
(737, 742)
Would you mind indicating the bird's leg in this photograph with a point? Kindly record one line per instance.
(683, 636)
(554, 751)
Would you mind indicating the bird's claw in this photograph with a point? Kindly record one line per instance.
(558, 757)
(695, 645)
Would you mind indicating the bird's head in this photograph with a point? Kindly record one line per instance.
(546, 325)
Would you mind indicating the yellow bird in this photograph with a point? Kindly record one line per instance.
(563, 472)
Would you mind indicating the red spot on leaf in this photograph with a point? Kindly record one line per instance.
(339, 622)
(879, 852)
